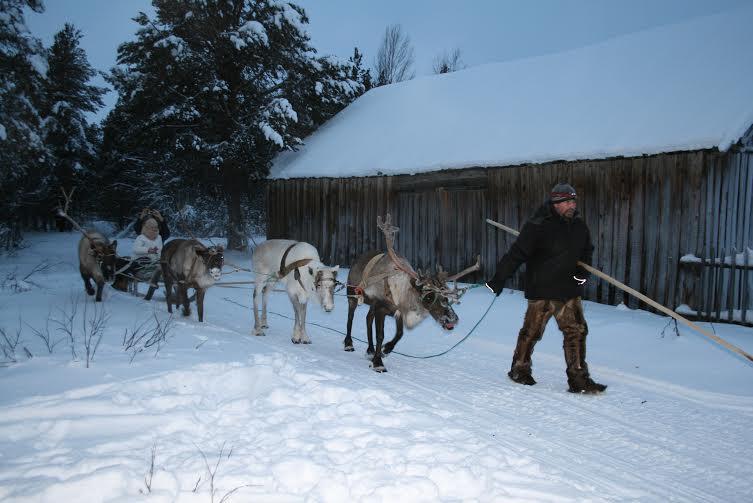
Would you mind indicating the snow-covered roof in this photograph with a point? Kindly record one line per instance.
(684, 86)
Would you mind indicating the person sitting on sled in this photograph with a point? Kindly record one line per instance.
(146, 251)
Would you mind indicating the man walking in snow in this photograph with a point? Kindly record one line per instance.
(551, 243)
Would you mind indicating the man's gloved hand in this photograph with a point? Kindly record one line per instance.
(580, 281)
(495, 286)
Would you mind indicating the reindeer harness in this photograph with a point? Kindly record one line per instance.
(205, 259)
(293, 266)
(361, 286)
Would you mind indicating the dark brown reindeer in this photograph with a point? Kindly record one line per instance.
(96, 254)
(189, 264)
(390, 286)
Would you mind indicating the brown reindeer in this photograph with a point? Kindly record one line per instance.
(96, 260)
(189, 264)
(96, 254)
(390, 286)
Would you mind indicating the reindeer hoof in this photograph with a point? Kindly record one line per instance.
(295, 341)
(349, 348)
(378, 368)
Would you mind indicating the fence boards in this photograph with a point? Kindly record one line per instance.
(644, 213)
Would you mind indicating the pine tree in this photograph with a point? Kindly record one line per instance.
(211, 90)
(68, 97)
(358, 73)
(23, 156)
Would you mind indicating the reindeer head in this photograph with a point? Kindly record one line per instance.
(325, 281)
(436, 297)
(104, 254)
(213, 258)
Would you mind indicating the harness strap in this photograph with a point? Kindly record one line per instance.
(365, 276)
(285, 270)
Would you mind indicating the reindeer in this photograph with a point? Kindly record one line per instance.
(96, 254)
(96, 260)
(190, 264)
(305, 277)
(389, 285)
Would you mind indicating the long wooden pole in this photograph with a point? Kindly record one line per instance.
(645, 299)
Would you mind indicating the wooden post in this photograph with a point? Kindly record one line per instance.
(645, 299)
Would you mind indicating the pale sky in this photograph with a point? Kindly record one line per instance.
(485, 31)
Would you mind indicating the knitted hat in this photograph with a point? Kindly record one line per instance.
(562, 192)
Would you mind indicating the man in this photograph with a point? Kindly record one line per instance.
(551, 243)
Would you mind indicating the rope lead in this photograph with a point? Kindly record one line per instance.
(418, 357)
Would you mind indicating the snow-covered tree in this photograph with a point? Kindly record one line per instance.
(211, 90)
(23, 156)
(358, 73)
(68, 98)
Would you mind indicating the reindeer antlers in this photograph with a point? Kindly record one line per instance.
(389, 231)
(63, 213)
(468, 270)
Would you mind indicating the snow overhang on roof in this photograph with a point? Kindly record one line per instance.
(685, 86)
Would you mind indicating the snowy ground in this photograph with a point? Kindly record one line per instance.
(228, 415)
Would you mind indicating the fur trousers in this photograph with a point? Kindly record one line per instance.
(570, 320)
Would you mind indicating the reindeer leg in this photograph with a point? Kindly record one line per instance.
(376, 362)
(100, 286)
(265, 296)
(87, 284)
(301, 322)
(200, 302)
(352, 305)
(369, 336)
(153, 284)
(398, 335)
(183, 296)
(296, 338)
(258, 329)
(169, 293)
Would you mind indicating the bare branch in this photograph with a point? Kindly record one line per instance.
(67, 315)
(395, 57)
(8, 343)
(45, 334)
(93, 330)
(150, 475)
(147, 335)
(448, 62)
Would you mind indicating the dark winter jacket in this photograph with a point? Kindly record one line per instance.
(164, 230)
(550, 246)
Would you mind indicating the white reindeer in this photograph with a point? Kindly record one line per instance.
(305, 277)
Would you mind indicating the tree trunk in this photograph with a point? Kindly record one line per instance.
(234, 183)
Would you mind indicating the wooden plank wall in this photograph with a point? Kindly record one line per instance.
(719, 290)
(644, 214)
